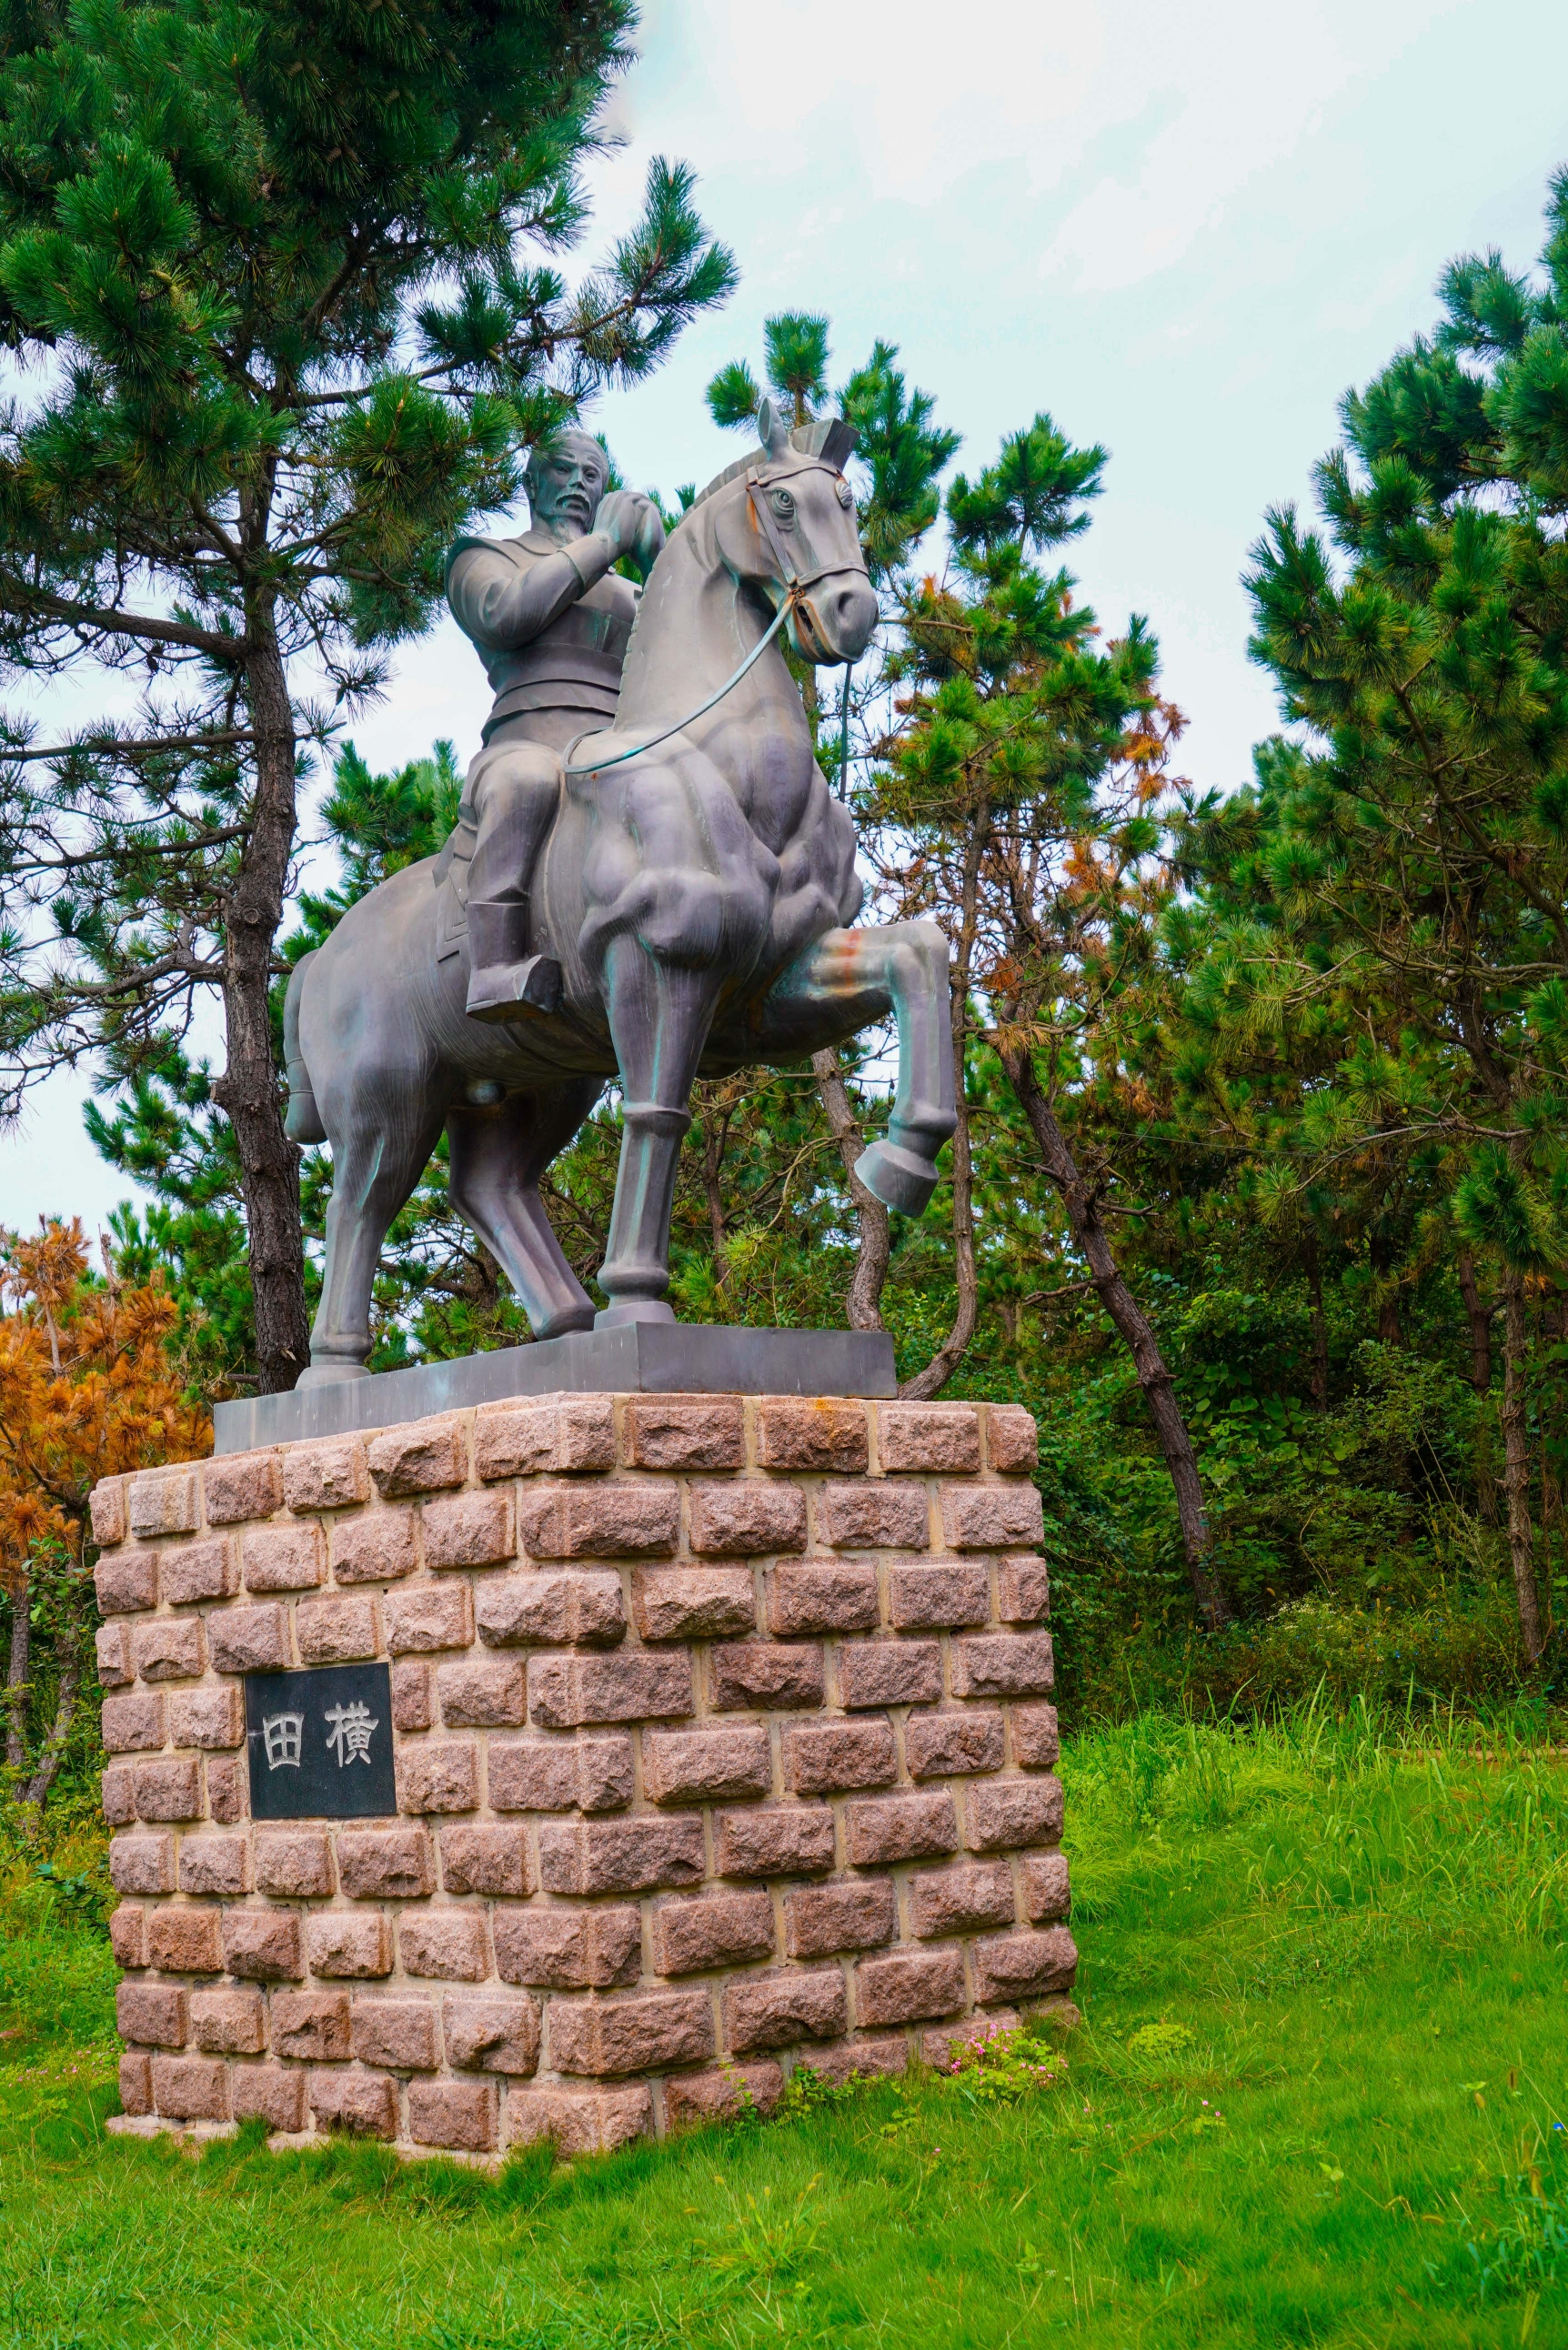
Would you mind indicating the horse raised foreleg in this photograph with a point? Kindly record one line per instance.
(849, 979)
(497, 1158)
(376, 1164)
(659, 1015)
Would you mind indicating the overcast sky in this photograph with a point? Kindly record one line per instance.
(1183, 227)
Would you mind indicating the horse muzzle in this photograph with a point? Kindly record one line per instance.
(834, 623)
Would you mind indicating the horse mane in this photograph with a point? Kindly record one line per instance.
(732, 473)
(828, 437)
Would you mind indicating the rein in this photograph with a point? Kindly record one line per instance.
(795, 587)
(592, 766)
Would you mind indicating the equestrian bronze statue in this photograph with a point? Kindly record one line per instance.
(667, 891)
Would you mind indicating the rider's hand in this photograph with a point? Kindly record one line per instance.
(650, 538)
(621, 518)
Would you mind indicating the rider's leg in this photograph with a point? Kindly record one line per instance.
(497, 1158)
(847, 979)
(513, 791)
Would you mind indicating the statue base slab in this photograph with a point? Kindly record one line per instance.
(634, 1358)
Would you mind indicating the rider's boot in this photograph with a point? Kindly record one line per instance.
(514, 799)
(504, 982)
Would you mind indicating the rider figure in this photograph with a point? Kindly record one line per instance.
(551, 620)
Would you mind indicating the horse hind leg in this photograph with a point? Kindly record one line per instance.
(303, 1123)
(377, 1157)
(838, 986)
(497, 1158)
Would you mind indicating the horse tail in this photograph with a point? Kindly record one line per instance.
(303, 1123)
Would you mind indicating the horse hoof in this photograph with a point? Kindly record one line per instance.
(634, 1309)
(534, 985)
(303, 1123)
(897, 1177)
(561, 1325)
(330, 1373)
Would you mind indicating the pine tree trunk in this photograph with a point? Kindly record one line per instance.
(1380, 1255)
(863, 1302)
(1553, 1329)
(248, 1091)
(1153, 1376)
(1516, 1464)
(1478, 1314)
(1479, 1317)
(17, 1675)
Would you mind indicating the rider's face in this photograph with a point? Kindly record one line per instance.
(566, 482)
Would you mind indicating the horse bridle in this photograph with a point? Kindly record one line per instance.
(794, 587)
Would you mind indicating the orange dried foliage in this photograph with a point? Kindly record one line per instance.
(1145, 752)
(87, 1390)
(1087, 876)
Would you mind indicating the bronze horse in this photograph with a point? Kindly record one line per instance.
(697, 887)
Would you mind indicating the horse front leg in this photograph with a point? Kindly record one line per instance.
(659, 1015)
(849, 979)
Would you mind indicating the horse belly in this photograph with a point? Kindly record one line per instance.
(381, 1012)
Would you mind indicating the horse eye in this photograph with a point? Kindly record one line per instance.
(844, 499)
(783, 504)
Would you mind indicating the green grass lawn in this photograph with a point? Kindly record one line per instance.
(1317, 2097)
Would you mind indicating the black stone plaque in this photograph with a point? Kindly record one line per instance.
(321, 1744)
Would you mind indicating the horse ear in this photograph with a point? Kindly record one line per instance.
(828, 437)
(772, 430)
(838, 444)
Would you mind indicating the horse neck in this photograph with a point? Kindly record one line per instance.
(695, 626)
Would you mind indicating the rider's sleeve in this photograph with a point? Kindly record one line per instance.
(502, 602)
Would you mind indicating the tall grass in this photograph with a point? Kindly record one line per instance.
(1318, 2096)
(1427, 1822)
(56, 1972)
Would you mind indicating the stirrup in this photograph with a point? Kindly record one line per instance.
(506, 991)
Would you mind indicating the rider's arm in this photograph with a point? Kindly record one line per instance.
(501, 603)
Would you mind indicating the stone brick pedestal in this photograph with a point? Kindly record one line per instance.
(721, 1744)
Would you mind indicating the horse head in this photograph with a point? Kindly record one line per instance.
(792, 532)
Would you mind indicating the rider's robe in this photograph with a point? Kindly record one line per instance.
(551, 625)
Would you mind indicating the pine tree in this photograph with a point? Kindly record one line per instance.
(1409, 877)
(901, 456)
(1019, 787)
(283, 280)
(165, 1133)
(794, 365)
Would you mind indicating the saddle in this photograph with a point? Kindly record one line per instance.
(449, 877)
